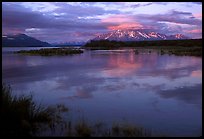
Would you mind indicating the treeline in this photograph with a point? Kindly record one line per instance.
(103, 44)
(112, 44)
(51, 51)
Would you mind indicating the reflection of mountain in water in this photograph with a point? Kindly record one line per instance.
(121, 69)
(121, 65)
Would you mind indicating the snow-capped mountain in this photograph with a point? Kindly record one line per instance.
(137, 35)
(178, 36)
(21, 40)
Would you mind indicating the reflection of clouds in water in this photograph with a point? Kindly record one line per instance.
(154, 87)
(121, 66)
(20, 68)
(187, 94)
(75, 80)
(181, 62)
(135, 84)
(13, 61)
(113, 87)
(191, 94)
(126, 65)
(116, 72)
(82, 93)
(131, 71)
(170, 73)
(155, 104)
(35, 61)
(28, 74)
(171, 67)
(197, 74)
(165, 81)
(21, 75)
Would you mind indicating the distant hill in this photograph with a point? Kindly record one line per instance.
(22, 40)
(72, 43)
(138, 35)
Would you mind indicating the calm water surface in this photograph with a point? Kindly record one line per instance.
(161, 93)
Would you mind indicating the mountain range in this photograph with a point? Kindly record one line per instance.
(22, 40)
(138, 35)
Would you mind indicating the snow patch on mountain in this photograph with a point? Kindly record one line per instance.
(137, 35)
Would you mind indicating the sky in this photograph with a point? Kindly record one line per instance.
(58, 22)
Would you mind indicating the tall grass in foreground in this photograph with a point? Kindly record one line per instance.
(83, 129)
(21, 116)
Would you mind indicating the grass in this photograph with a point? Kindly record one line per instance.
(21, 116)
(51, 51)
(129, 130)
(83, 129)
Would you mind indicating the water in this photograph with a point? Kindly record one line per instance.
(160, 93)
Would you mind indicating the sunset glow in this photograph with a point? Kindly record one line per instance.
(197, 73)
(126, 26)
(122, 66)
(61, 21)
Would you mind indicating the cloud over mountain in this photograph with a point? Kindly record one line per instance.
(61, 21)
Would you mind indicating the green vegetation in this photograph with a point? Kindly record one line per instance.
(178, 47)
(51, 51)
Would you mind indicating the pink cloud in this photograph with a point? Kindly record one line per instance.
(198, 15)
(122, 22)
(197, 74)
(194, 31)
(120, 18)
(6, 31)
(126, 26)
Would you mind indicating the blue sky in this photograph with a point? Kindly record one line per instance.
(82, 21)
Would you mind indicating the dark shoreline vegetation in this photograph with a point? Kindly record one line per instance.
(21, 116)
(191, 47)
(51, 51)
